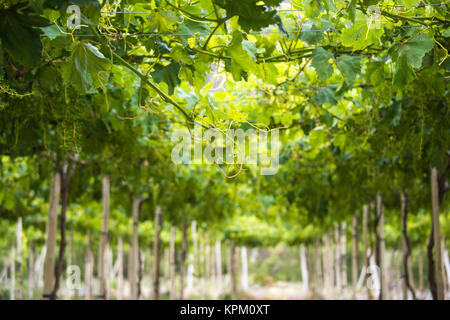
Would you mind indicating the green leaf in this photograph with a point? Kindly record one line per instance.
(309, 34)
(351, 9)
(51, 15)
(408, 56)
(318, 137)
(415, 49)
(51, 31)
(163, 21)
(180, 54)
(48, 77)
(87, 68)
(360, 36)
(189, 96)
(329, 5)
(394, 113)
(349, 66)
(340, 140)
(253, 15)
(325, 95)
(167, 74)
(190, 29)
(311, 8)
(241, 58)
(268, 72)
(408, 3)
(446, 33)
(158, 45)
(403, 73)
(19, 39)
(250, 47)
(8, 202)
(375, 72)
(320, 63)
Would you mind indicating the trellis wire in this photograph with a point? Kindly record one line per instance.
(418, 5)
(215, 34)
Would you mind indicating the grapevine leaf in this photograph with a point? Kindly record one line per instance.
(309, 33)
(312, 8)
(351, 9)
(164, 21)
(408, 56)
(415, 49)
(325, 95)
(51, 31)
(403, 73)
(167, 74)
(179, 54)
(19, 39)
(252, 14)
(318, 137)
(87, 68)
(349, 66)
(189, 29)
(241, 58)
(320, 63)
(360, 36)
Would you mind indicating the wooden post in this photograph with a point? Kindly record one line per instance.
(233, 271)
(157, 252)
(69, 256)
(367, 248)
(39, 265)
(337, 257)
(166, 268)
(219, 265)
(446, 265)
(195, 245)
(19, 258)
(140, 270)
(343, 259)
(88, 270)
(437, 235)
(120, 269)
(327, 281)
(30, 271)
(66, 175)
(151, 270)
(355, 253)
(229, 262)
(311, 259)
(304, 268)
(184, 250)
(212, 264)
(384, 293)
(318, 265)
(134, 249)
(207, 259)
(244, 264)
(202, 262)
(406, 248)
(50, 244)
(420, 268)
(104, 238)
(172, 256)
(12, 283)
